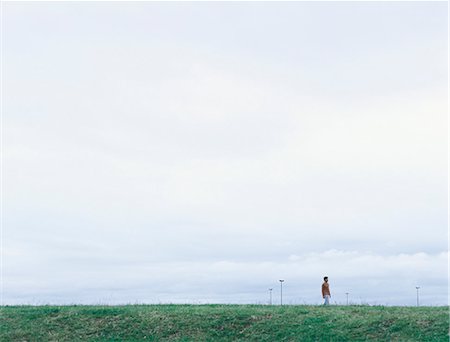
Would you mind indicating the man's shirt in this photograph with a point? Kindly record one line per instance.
(325, 289)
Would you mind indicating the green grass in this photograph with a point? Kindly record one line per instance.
(223, 323)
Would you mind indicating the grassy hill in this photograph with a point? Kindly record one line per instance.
(223, 323)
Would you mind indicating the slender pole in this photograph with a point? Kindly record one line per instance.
(281, 293)
(347, 297)
(417, 288)
(270, 293)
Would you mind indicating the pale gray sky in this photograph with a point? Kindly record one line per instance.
(199, 152)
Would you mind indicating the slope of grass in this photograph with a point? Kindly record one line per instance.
(223, 323)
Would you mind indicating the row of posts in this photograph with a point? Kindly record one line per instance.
(346, 293)
(281, 298)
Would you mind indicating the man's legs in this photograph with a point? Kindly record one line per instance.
(327, 300)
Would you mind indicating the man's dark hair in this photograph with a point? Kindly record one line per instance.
(325, 278)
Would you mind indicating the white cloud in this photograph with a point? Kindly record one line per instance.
(88, 277)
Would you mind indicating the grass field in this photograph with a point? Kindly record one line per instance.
(223, 323)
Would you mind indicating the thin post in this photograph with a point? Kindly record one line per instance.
(417, 288)
(281, 293)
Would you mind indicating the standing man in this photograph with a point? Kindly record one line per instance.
(326, 291)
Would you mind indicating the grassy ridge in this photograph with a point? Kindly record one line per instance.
(223, 323)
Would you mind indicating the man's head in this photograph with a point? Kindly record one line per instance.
(325, 279)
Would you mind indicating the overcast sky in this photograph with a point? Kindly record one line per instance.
(200, 152)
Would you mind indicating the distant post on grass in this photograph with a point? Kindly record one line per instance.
(417, 288)
(281, 293)
(346, 293)
(270, 296)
